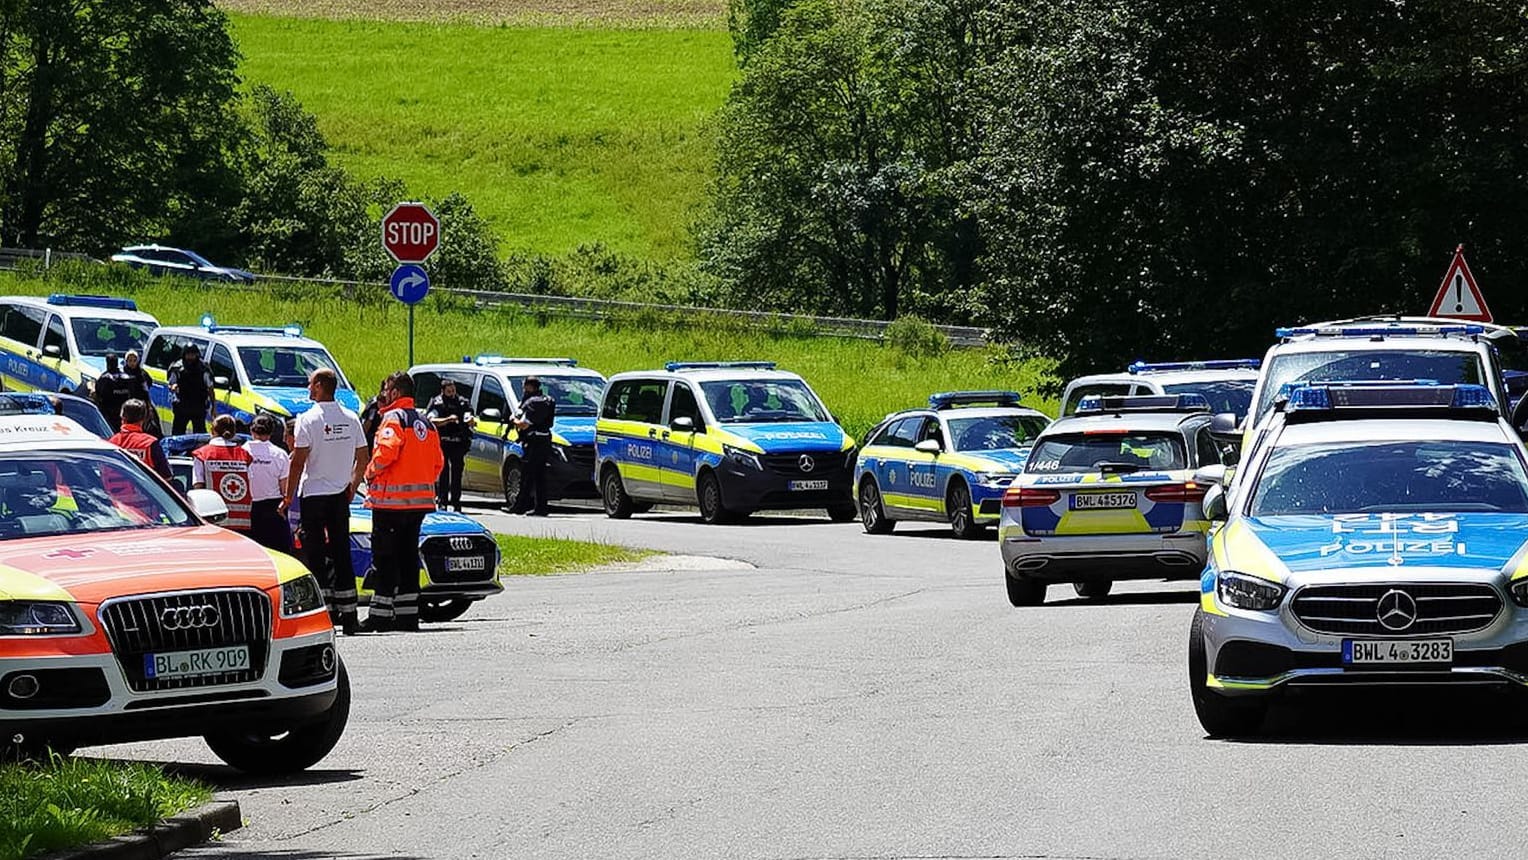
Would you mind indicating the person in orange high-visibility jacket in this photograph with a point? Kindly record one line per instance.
(132, 438)
(400, 489)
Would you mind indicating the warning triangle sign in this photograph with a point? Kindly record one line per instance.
(1459, 296)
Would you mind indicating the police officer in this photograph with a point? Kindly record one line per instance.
(138, 379)
(537, 411)
(112, 389)
(222, 465)
(453, 420)
(400, 490)
(191, 392)
(131, 438)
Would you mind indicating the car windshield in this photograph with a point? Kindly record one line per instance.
(285, 366)
(97, 337)
(1080, 453)
(80, 410)
(1227, 395)
(1378, 477)
(574, 395)
(994, 432)
(1447, 367)
(762, 401)
(78, 492)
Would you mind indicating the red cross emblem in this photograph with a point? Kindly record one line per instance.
(71, 553)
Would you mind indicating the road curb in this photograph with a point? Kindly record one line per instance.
(192, 827)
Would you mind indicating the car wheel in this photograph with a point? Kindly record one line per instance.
(872, 514)
(843, 513)
(957, 506)
(1094, 589)
(511, 476)
(618, 505)
(437, 611)
(1221, 716)
(1023, 591)
(708, 494)
(291, 751)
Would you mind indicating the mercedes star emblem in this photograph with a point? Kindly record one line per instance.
(806, 463)
(1396, 610)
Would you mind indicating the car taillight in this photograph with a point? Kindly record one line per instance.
(1029, 497)
(1180, 493)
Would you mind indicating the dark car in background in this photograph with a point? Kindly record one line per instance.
(160, 260)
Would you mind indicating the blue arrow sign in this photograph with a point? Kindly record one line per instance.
(409, 284)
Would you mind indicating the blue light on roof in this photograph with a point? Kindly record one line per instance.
(1379, 331)
(1473, 397)
(947, 399)
(1423, 395)
(490, 359)
(1307, 397)
(718, 365)
(209, 323)
(92, 301)
(1144, 403)
(1216, 364)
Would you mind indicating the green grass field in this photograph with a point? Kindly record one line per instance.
(560, 136)
(540, 556)
(859, 380)
(70, 802)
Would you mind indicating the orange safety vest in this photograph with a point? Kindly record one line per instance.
(133, 440)
(227, 468)
(405, 462)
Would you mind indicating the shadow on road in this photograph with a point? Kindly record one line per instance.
(1416, 716)
(937, 532)
(234, 851)
(1128, 598)
(227, 779)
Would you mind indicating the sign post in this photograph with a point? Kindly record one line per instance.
(1459, 297)
(410, 234)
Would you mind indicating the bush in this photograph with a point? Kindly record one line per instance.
(916, 337)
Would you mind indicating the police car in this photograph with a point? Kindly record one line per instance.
(1380, 536)
(1109, 494)
(126, 616)
(60, 343)
(255, 369)
(492, 384)
(729, 437)
(948, 463)
(1225, 384)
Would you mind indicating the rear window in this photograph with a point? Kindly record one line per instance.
(1086, 453)
(1442, 366)
(1392, 477)
(1231, 395)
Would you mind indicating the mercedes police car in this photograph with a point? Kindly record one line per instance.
(1379, 537)
(492, 384)
(948, 463)
(60, 343)
(1226, 385)
(255, 369)
(1109, 494)
(730, 437)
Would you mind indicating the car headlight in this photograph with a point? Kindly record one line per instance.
(1519, 592)
(747, 459)
(1248, 592)
(36, 618)
(994, 480)
(361, 539)
(300, 596)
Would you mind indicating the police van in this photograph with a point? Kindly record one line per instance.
(493, 385)
(60, 343)
(255, 369)
(730, 437)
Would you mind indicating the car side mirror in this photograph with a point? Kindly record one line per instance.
(929, 446)
(1211, 474)
(683, 424)
(208, 505)
(52, 351)
(220, 382)
(1214, 504)
(491, 414)
(1223, 426)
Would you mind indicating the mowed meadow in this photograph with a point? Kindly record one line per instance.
(579, 131)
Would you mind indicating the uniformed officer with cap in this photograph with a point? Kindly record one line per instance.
(537, 410)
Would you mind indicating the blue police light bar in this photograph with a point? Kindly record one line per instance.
(718, 365)
(490, 360)
(211, 325)
(1150, 403)
(1364, 399)
(950, 399)
(1380, 331)
(1216, 364)
(115, 303)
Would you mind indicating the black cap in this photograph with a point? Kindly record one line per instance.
(533, 380)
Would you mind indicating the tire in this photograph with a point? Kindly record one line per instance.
(294, 751)
(1023, 591)
(843, 514)
(872, 513)
(708, 494)
(618, 505)
(1094, 590)
(437, 611)
(957, 507)
(1221, 716)
(509, 478)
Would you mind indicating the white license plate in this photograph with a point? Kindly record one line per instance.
(1102, 501)
(470, 562)
(202, 661)
(1368, 652)
(808, 485)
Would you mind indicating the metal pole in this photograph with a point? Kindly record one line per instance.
(411, 335)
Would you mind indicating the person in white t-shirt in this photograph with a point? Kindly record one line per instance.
(328, 464)
(267, 485)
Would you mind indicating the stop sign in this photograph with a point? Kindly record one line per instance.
(410, 232)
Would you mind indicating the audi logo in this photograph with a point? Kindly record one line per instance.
(189, 617)
(806, 463)
(461, 544)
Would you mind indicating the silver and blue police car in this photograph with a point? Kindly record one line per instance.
(60, 343)
(948, 463)
(1108, 495)
(1379, 536)
(1226, 384)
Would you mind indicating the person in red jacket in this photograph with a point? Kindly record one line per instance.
(222, 465)
(400, 490)
(132, 438)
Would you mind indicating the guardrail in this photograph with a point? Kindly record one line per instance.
(11, 258)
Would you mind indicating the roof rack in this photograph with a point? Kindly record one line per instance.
(1218, 364)
(952, 399)
(1380, 331)
(1184, 403)
(718, 365)
(491, 359)
(1328, 401)
(212, 326)
(116, 303)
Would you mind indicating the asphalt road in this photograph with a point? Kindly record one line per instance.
(848, 697)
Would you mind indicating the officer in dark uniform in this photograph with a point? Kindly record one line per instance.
(112, 389)
(535, 424)
(453, 420)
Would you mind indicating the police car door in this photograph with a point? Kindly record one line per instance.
(20, 334)
(923, 468)
(55, 355)
(894, 468)
(225, 383)
(486, 457)
(630, 423)
(677, 458)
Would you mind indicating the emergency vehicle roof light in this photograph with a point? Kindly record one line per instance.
(1417, 398)
(289, 330)
(704, 365)
(1380, 331)
(489, 359)
(951, 399)
(1151, 403)
(92, 301)
(1218, 364)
